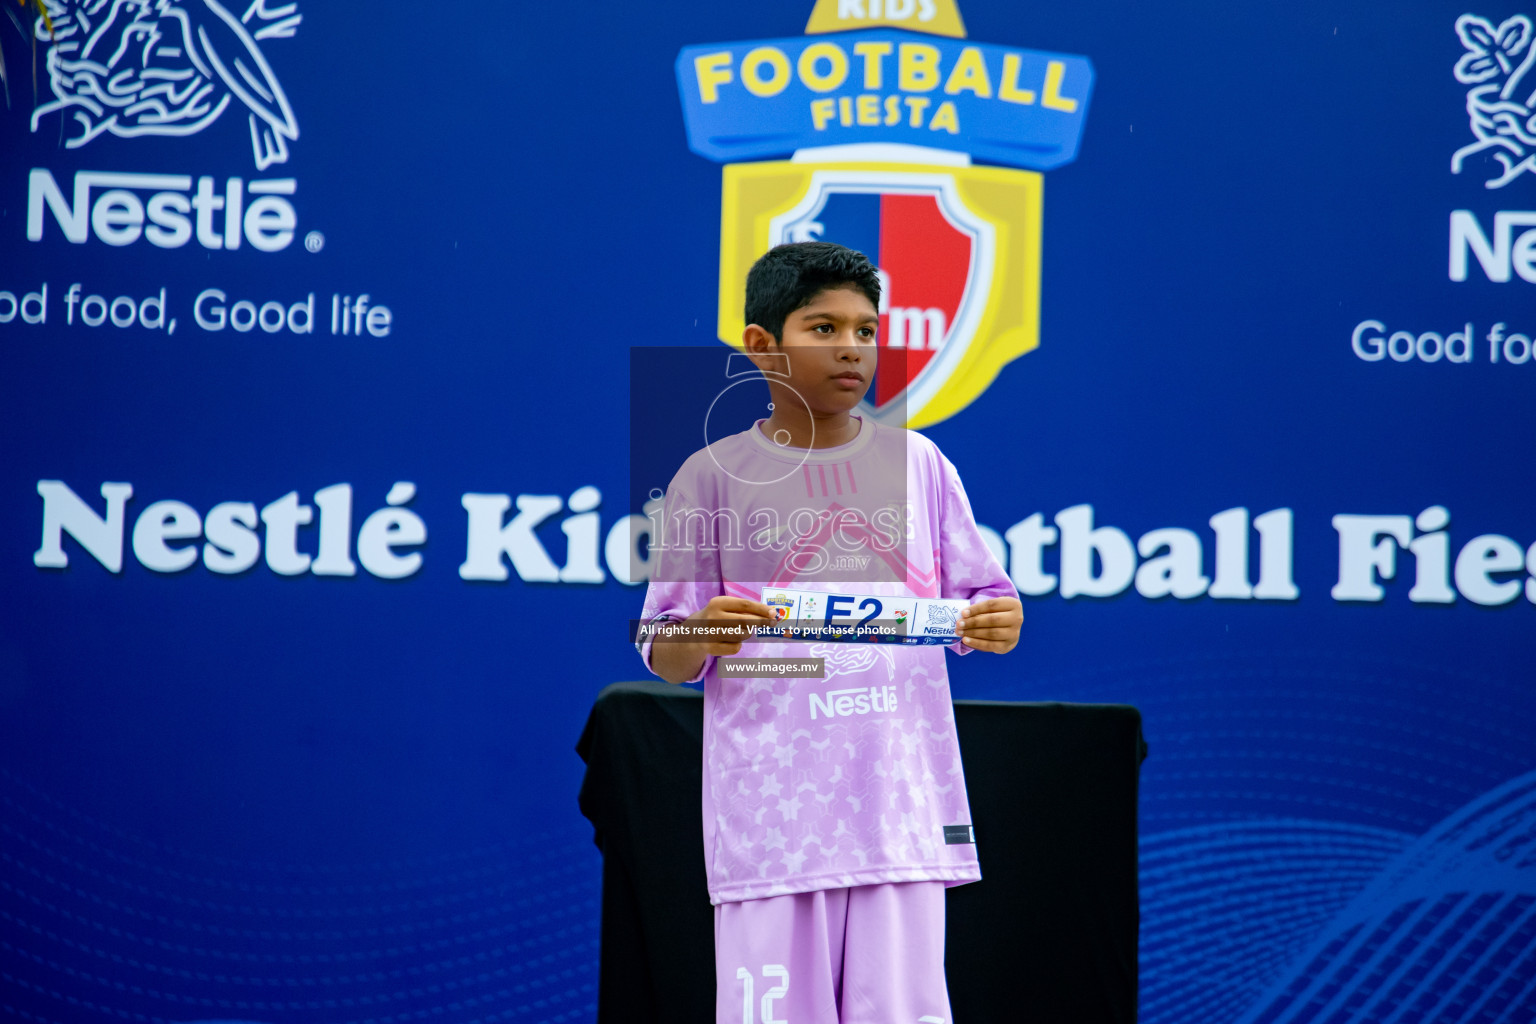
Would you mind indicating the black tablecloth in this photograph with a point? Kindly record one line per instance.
(1048, 935)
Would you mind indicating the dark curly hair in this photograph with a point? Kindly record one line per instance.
(787, 277)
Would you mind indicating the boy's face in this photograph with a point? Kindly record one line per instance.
(830, 342)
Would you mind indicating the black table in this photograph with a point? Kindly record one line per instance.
(1048, 935)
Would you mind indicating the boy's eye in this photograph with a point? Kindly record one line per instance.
(824, 329)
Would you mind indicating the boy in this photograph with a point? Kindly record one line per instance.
(829, 838)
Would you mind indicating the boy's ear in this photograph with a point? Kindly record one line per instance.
(757, 339)
(765, 351)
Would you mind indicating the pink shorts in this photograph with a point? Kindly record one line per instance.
(873, 954)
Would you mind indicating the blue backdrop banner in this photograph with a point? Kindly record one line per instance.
(319, 529)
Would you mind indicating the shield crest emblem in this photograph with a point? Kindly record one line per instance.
(957, 249)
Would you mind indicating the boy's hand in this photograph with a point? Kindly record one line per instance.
(992, 624)
(725, 611)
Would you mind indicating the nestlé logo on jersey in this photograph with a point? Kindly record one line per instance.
(860, 700)
(142, 69)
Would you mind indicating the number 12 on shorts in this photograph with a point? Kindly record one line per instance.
(748, 1007)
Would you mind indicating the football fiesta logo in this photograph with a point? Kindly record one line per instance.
(884, 130)
(781, 605)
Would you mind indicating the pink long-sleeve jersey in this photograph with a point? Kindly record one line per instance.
(803, 790)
